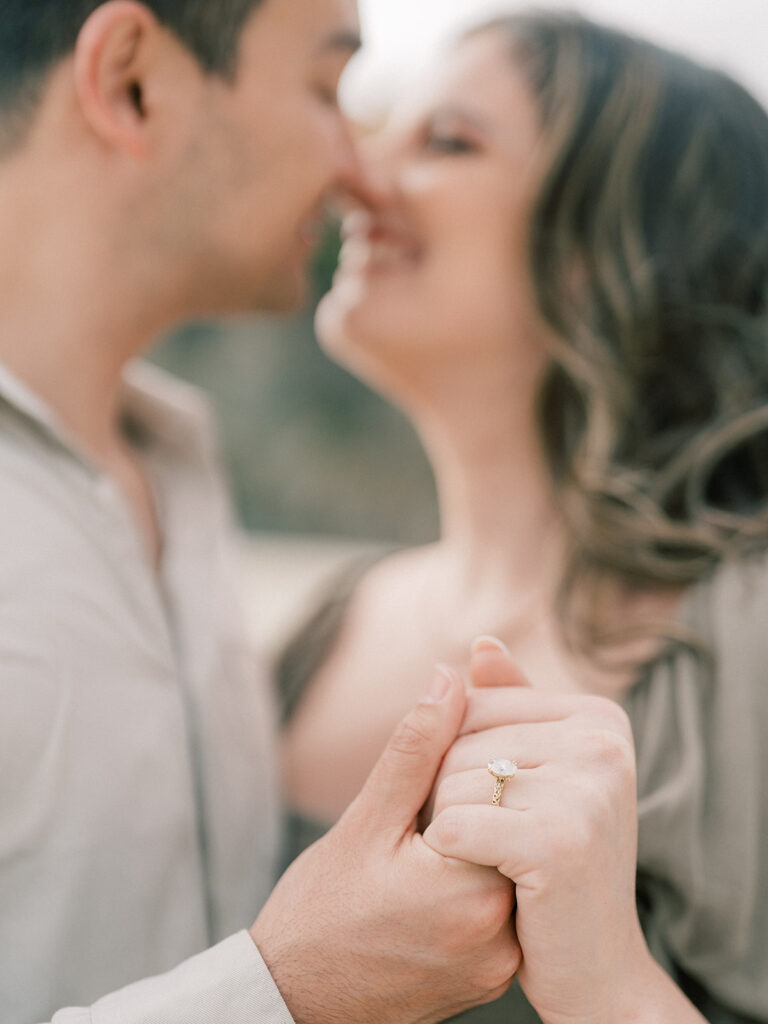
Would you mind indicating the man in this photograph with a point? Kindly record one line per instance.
(158, 161)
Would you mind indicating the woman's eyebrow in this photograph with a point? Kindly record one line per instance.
(471, 117)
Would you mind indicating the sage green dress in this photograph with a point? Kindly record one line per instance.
(700, 722)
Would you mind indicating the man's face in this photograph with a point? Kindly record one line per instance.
(262, 155)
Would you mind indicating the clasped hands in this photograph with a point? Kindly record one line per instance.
(565, 835)
(424, 900)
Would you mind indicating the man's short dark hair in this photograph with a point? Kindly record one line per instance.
(36, 34)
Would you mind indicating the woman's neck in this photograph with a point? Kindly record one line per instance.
(500, 525)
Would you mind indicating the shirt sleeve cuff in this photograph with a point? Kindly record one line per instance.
(228, 984)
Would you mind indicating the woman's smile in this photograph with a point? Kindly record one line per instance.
(434, 257)
(371, 246)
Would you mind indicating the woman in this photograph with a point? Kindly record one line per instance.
(562, 278)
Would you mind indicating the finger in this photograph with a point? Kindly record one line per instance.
(489, 836)
(491, 893)
(491, 664)
(495, 706)
(467, 879)
(529, 744)
(527, 789)
(405, 773)
(569, 746)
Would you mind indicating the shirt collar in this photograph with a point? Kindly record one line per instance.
(158, 409)
(18, 396)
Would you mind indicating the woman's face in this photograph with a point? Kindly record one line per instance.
(433, 271)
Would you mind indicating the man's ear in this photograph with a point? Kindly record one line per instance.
(110, 66)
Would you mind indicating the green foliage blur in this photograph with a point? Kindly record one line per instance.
(308, 448)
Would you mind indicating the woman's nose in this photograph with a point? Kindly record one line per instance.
(371, 180)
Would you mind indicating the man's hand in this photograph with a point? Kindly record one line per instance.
(372, 925)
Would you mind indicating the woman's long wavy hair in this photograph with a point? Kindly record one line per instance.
(649, 254)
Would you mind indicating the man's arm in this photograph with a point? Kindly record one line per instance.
(369, 924)
(227, 984)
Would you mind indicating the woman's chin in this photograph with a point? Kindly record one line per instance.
(340, 319)
(353, 335)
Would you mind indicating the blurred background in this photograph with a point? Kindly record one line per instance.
(310, 451)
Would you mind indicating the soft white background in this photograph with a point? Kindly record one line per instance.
(730, 33)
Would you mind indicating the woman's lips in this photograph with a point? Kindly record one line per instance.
(373, 243)
(377, 250)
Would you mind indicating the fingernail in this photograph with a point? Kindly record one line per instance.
(484, 643)
(441, 684)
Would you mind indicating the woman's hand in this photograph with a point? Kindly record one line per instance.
(566, 834)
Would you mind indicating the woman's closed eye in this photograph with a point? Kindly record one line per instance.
(328, 94)
(451, 133)
(449, 142)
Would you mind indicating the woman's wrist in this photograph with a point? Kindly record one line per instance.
(646, 995)
(656, 999)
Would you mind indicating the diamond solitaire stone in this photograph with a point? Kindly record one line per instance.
(501, 768)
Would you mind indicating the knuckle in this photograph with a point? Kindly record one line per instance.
(611, 751)
(510, 959)
(618, 755)
(608, 713)
(598, 709)
(409, 738)
(624, 756)
(488, 914)
(446, 829)
(497, 993)
(596, 813)
(496, 971)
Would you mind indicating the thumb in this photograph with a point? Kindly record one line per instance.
(403, 777)
(491, 664)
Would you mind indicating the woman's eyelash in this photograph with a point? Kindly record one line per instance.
(327, 95)
(445, 143)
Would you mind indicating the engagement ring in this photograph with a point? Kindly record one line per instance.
(502, 770)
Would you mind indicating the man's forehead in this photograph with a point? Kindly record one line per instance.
(318, 27)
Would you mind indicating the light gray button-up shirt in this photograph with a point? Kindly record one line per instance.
(138, 819)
